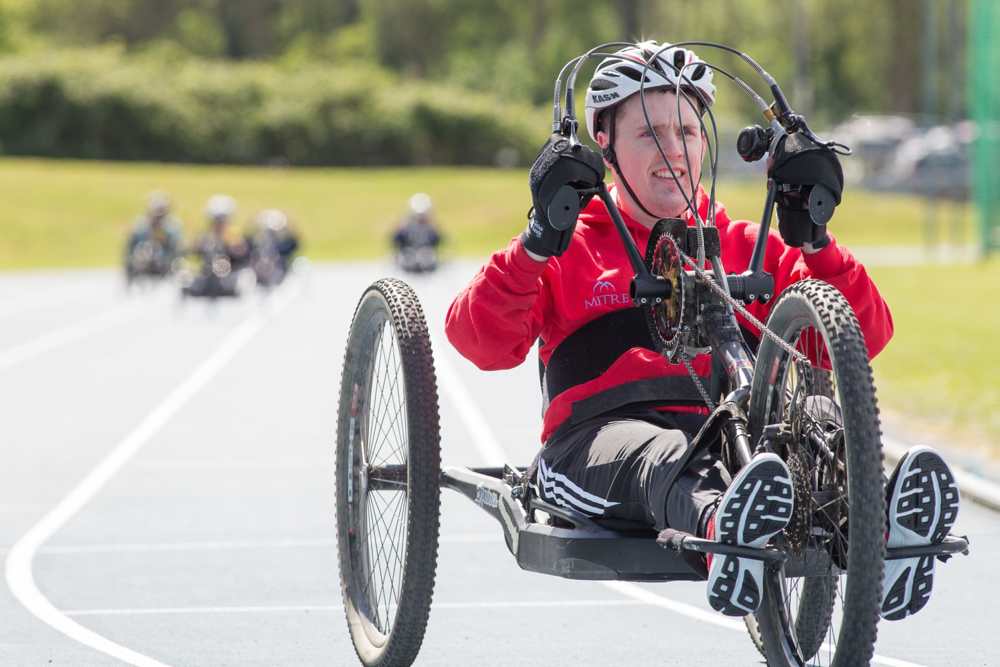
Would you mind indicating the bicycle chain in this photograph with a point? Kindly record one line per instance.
(741, 308)
(686, 360)
(800, 358)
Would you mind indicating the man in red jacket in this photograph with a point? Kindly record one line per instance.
(618, 416)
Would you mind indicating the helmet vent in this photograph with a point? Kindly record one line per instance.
(699, 72)
(679, 59)
(632, 73)
(602, 84)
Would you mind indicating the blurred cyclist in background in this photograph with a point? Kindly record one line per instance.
(416, 240)
(154, 242)
(273, 245)
(221, 249)
(221, 237)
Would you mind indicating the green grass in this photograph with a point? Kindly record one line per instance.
(941, 365)
(69, 213)
(73, 213)
(940, 369)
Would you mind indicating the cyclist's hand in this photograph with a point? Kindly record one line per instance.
(796, 225)
(542, 240)
(811, 183)
(563, 179)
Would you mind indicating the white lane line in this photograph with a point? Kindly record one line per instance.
(132, 547)
(20, 577)
(511, 604)
(892, 662)
(227, 464)
(470, 414)
(491, 449)
(637, 592)
(54, 339)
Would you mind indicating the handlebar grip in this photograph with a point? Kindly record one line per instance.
(749, 287)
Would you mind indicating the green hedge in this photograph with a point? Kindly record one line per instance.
(101, 105)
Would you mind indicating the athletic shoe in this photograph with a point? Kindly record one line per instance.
(922, 508)
(756, 506)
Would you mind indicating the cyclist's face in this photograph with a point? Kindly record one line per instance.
(641, 162)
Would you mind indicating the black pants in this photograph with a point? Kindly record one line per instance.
(619, 465)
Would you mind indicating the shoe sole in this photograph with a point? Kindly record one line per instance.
(923, 507)
(757, 506)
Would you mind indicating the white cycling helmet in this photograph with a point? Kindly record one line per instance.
(158, 204)
(220, 207)
(619, 77)
(420, 203)
(272, 219)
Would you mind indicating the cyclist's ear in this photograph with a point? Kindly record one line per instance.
(602, 139)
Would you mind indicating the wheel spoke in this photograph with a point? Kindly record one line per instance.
(377, 389)
(382, 571)
(385, 390)
(397, 390)
(386, 534)
(387, 594)
(376, 398)
(390, 399)
(385, 526)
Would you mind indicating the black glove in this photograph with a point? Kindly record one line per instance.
(563, 178)
(810, 183)
(796, 221)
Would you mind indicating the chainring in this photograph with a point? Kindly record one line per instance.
(668, 321)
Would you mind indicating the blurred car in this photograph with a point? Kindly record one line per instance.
(874, 140)
(933, 162)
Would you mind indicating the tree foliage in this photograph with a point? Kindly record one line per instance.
(834, 57)
(97, 104)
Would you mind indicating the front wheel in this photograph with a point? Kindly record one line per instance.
(388, 463)
(822, 607)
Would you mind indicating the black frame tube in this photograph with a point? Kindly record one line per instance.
(760, 246)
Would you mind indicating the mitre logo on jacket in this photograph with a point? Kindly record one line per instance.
(605, 294)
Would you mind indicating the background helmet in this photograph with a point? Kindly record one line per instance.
(158, 204)
(220, 207)
(272, 219)
(619, 77)
(420, 204)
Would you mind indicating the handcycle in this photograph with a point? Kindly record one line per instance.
(217, 277)
(148, 261)
(803, 390)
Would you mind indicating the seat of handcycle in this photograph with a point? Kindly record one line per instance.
(572, 545)
(561, 541)
(562, 517)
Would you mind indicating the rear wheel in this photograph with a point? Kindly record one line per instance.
(388, 462)
(821, 608)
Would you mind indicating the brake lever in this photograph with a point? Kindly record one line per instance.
(797, 123)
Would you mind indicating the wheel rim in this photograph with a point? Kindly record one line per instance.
(381, 511)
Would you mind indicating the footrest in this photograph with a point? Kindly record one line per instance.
(677, 540)
(943, 550)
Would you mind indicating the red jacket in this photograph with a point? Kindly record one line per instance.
(514, 300)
